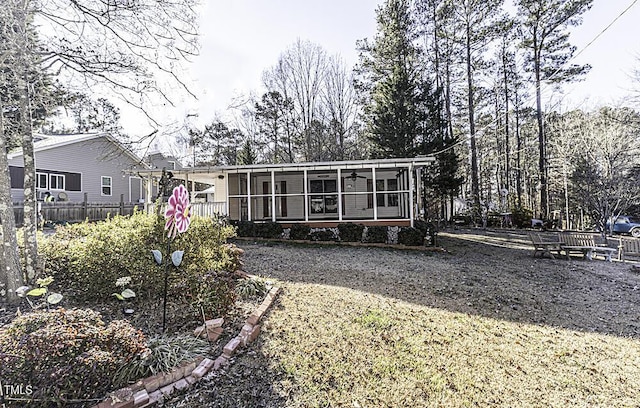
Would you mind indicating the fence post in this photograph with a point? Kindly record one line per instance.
(121, 204)
(84, 206)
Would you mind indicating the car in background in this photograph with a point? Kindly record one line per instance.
(625, 224)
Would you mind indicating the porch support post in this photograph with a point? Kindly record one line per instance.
(227, 211)
(249, 196)
(375, 195)
(339, 194)
(273, 196)
(411, 180)
(148, 193)
(306, 196)
(419, 191)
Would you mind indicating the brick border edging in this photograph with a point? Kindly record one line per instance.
(153, 390)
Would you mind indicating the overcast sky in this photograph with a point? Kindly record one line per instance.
(242, 38)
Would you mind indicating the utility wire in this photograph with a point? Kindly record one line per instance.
(556, 71)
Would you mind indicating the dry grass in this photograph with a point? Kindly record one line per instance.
(486, 325)
(341, 347)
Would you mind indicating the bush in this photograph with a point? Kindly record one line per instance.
(322, 235)
(245, 228)
(428, 229)
(165, 353)
(299, 232)
(268, 230)
(251, 288)
(376, 234)
(351, 232)
(410, 236)
(89, 258)
(66, 354)
(521, 217)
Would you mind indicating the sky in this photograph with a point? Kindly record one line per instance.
(242, 38)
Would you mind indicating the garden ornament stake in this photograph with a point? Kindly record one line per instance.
(177, 222)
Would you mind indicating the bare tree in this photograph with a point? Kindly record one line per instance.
(341, 107)
(299, 76)
(133, 49)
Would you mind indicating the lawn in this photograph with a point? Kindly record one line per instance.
(485, 325)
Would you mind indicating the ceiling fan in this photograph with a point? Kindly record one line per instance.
(353, 176)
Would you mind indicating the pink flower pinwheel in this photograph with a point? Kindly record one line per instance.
(177, 213)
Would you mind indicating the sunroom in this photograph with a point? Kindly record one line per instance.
(382, 192)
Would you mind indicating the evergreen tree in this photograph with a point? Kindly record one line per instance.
(544, 24)
(392, 83)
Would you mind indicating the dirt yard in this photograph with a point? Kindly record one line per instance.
(487, 274)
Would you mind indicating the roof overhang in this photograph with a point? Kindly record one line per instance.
(206, 174)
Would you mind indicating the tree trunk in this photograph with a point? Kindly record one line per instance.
(30, 223)
(475, 189)
(542, 143)
(11, 277)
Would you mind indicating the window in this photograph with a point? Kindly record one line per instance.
(379, 195)
(324, 203)
(56, 182)
(171, 165)
(105, 185)
(42, 181)
(392, 199)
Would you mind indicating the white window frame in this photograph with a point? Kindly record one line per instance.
(46, 181)
(60, 177)
(102, 186)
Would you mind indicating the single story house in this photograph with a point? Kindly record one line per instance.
(70, 166)
(383, 192)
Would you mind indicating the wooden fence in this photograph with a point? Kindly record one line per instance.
(81, 211)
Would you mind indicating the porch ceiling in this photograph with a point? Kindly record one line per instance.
(207, 174)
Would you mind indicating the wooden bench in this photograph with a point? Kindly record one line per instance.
(585, 244)
(626, 247)
(544, 247)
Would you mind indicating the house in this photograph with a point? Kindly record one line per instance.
(72, 166)
(383, 192)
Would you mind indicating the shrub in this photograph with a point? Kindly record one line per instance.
(521, 217)
(376, 234)
(351, 232)
(428, 229)
(245, 228)
(89, 258)
(410, 236)
(322, 235)
(66, 354)
(299, 232)
(268, 230)
(251, 288)
(165, 353)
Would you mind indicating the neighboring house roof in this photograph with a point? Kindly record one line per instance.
(46, 142)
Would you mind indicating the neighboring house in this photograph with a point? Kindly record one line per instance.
(366, 191)
(70, 166)
(158, 160)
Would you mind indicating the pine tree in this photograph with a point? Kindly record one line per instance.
(392, 83)
(544, 24)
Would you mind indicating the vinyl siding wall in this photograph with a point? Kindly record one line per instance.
(92, 159)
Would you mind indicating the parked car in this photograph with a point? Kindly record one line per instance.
(625, 224)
